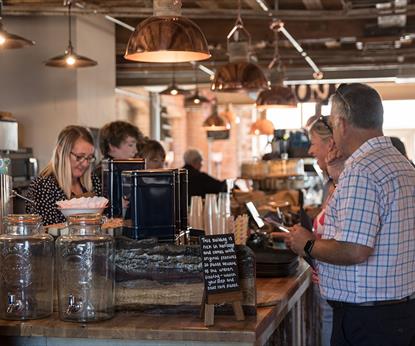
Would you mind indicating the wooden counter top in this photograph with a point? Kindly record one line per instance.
(275, 298)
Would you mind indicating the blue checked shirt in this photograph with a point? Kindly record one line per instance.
(373, 205)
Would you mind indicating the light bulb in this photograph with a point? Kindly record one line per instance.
(197, 101)
(2, 39)
(70, 60)
(174, 92)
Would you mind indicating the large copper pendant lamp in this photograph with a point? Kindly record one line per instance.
(196, 99)
(167, 37)
(70, 59)
(239, 74)
(11, 41)
(173, 89)
(278, 95)
(262, 126)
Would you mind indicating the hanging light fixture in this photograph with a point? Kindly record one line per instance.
(215, 122)
(278, 95)
(239, 74)
(167, 37)
(196, 99)
(70, 59)
(11, 41)
(173, 89)
(262, 126)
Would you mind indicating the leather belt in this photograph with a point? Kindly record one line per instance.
(336, 304)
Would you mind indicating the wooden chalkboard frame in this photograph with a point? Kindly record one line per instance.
(222, 295)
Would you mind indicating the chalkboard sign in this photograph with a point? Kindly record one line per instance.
(220, 268)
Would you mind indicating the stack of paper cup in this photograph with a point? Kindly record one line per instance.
(196, 212)
(210, 214)
(224, 211)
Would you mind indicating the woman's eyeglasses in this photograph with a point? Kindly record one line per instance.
(82, 158)
(324, 120)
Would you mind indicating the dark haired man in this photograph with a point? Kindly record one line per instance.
(366, 258)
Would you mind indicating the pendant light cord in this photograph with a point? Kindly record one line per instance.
(70, 22)
(1, 9)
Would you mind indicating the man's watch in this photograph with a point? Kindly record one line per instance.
(308, 247)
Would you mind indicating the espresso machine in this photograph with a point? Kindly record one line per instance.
(157, 203)
(112, 182)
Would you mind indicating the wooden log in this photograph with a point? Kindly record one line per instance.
(167, 278)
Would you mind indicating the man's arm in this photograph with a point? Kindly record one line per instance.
(327, 250)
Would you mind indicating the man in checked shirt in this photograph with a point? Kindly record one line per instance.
(366, 257)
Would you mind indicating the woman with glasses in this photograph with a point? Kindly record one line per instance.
(321, 143)
(68, 175)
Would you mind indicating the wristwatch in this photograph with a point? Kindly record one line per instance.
(308, 247)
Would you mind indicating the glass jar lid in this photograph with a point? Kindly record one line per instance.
(85, 219)
(22, 224)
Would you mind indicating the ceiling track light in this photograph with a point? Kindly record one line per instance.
(11, 41)
(70, 59)
(167, 37)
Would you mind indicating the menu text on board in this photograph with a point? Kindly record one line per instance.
(220, 268)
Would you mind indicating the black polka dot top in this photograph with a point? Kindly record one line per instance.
(45, 192)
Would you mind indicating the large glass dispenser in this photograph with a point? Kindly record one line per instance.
(85, 269)
(26, 269)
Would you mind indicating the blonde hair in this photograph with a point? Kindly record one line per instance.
(316, 126)
(60, 165)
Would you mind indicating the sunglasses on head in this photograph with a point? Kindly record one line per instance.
(324, 120)
(340, 91)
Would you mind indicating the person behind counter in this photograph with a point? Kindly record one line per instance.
(68, 175)
(200, 183)
(154, 154)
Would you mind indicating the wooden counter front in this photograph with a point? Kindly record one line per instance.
(275, 297)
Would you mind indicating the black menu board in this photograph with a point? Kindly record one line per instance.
(220, 268)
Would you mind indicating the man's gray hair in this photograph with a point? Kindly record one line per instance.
(359, 104)
(192, 156)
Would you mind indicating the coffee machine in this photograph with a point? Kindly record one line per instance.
(112, 182)
(156, 203)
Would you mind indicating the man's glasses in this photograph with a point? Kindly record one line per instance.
(339, 91)
(82, 158)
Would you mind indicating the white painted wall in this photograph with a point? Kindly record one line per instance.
(45, 99)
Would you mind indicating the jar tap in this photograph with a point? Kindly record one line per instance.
(74, 305)
(14, 305)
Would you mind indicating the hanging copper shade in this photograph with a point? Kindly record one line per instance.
(278, 95)
(11, 41)
(195, 99)
(173, 89)
(215, 122)
(239, 74)
(167, 37)
(262, 127)
(70, 59)
(275, 97)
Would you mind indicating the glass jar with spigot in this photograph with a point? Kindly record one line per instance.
(85, 270)
(26, 269)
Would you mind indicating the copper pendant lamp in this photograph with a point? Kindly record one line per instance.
(167, 37)
(262, 126)
(278, 95)
(196, 99)
(239, 74)
(11, 41)
(70, 59)
(215, 122)
(173, 89)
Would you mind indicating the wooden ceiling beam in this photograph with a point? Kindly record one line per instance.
(313, 4)
(207, 4)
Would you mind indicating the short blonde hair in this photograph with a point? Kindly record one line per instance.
(315, 125)
(60, 165)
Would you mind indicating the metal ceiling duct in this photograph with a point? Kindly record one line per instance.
(239, 74)
(167, 37)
